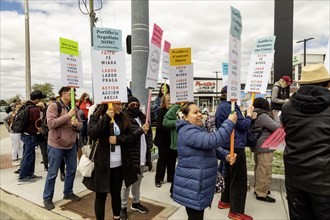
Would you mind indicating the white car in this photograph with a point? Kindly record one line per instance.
(2, 113)
(205, 111)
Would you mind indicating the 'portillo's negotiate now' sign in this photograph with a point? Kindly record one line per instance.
(107, 39)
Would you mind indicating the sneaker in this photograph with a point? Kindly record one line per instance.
(15, 163)
(33, 176)
(25, 181)
(72, 197)
(158, 184)
(223, 205)
(257, 194)
(123, 214)
(48, 204)
(239, 216)
(266, 199)
(139, 207)
(17, 171)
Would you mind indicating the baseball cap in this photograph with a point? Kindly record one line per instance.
(37, 94)
(287, 79)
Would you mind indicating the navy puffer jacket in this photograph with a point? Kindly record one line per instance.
(241, 127)
(198, 151)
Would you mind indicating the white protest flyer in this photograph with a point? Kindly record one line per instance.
(182, 83)
(260, 66)
(327, 58)
(234, 70)
(234, 61)
(109, 76)
(154, 57)
(71, 65)
(259, 73)
(166, 60)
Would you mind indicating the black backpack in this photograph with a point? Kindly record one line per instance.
(21, 119)
(44, 126)
(253, 134)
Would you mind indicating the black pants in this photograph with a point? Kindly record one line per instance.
(194, 214)
(83, 132)
(236, 183)
(166, 160)
(307, 206)
(43, 148)
(116, 181)
(62, 166)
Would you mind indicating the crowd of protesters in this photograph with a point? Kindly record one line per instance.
(191, 155)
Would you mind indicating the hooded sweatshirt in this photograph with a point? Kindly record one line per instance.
(306, 119)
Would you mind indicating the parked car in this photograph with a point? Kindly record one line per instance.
(2, 113)
(205, 111)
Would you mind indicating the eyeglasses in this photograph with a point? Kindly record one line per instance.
(70, 93)
(134, 104)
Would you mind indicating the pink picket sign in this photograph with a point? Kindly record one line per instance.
(276, 140)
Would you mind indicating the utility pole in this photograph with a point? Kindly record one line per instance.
(305, 40)
(27, 52)
(92, 25)
(92, 18)
(140, 49)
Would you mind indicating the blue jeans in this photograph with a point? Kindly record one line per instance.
(55, 156)
(29, 154)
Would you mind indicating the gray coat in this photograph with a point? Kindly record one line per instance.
(268, 124)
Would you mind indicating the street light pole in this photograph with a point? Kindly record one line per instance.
(305, 40)
(216, 80)
(27, 52)
(91, 17)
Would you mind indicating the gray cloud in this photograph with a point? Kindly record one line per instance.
(201, 25)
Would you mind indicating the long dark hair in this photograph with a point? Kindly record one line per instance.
(160, 93)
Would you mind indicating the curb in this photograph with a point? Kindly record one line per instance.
(277, 182)
(18, 208)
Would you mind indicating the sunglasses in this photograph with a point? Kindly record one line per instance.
(134, 105)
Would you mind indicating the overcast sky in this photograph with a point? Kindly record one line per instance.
(201, 25)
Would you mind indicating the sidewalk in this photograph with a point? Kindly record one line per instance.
(25, 201)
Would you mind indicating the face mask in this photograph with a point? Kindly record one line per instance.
(134, 111)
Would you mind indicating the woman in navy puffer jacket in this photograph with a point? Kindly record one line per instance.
(198, 151)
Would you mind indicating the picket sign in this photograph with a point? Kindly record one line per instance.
(148, 107)
(276, 140)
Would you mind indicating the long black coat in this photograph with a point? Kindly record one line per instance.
(163, 134)
(135, 146)
(99, 128)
